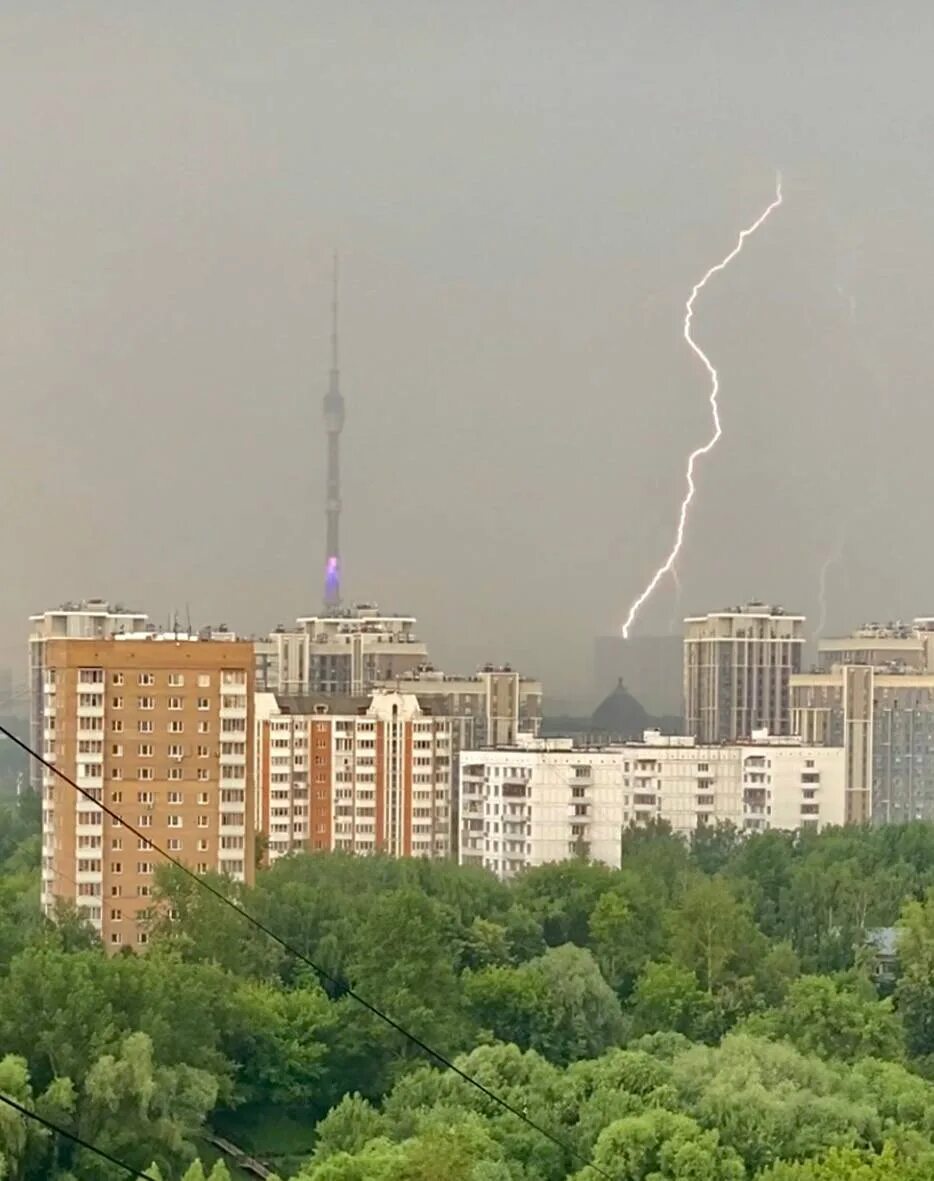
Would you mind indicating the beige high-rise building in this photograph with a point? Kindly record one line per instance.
(737, 665)
(347, 651)
(159, 728)
(873, 694)
(357, 775)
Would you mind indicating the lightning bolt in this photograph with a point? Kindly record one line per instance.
(695, 455)
(832, 557)
(673, 623)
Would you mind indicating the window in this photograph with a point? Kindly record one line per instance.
(174, 797)
(202, 797)
(116, 867)
(201, 867)
(204, 680)
(89, 865)
(117, 726)
(144, 867)
(144, 797)
(175, 752)
(146, 703)
(142, 937)
(116, 702)
(204, 703)
(116, 772)
(203, 774)
(117, 679)
(144, 750)
(175, 822)
(116, 916)
(145, 821)
(117, 750)
(175, 773)
(116, 844)
(116, 797)
(144, 773)
(203, 821)
(204, 727)
(145, 679)
(144, 726)
(116, 891)
(142, 843)
(176, 726)
(203, 752)
(175, 703)
(176, 680)
(174, 844)
(202, 845)
(116, 937)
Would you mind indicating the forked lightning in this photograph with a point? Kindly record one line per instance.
(714, 408)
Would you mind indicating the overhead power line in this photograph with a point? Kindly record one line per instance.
(341, 985)
(65, 1134)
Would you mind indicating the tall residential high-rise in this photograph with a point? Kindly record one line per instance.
(546, 800)
(370, 775)
(345, 651)
(87, 619)
(737, 663)
(873, 694)
(161, 730)
(333, 425)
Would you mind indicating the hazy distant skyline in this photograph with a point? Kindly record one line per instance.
(522, 197)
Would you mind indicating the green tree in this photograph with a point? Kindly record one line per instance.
(558, 1004)
(668, 997)
(713, 935)
(834, 1018)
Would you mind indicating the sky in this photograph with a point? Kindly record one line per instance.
(522, 196)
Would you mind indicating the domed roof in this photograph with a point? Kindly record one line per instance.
(621, 715)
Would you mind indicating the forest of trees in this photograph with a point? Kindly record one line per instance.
(707, 1013)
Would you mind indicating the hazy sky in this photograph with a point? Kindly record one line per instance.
(522, 195)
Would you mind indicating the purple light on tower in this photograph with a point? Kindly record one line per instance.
(333, 425)
(332, 580)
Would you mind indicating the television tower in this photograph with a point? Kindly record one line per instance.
(333, 424)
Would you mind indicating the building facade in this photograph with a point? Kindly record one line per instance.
(873, 694)
(347, 651)
(160, 729)
(737, 666)
(88, 619)
(357, 775)
(547, 801)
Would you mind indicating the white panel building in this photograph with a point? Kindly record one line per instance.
(546, 801)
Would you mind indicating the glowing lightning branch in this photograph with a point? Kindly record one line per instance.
(832, 557)
(714, 408)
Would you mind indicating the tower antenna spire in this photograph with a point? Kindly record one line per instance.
(333, 425)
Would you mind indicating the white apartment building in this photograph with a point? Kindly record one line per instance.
(338, 773)
(347, 651)
(545, 801)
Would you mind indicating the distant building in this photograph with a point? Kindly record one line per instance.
(649, 666)
(873, 694)
(344, 651)
(160, 728)
(737, 665)
(359, 775)
(545, 800)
